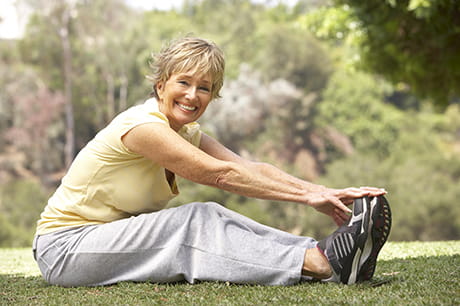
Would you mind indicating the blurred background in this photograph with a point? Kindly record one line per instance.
(338, 92)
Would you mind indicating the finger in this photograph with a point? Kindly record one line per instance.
(336, 201)
(370, 188)
(374, 191)
(337, 220)
(340, 214)
(353, 193)
(340, 218)
(347, 202)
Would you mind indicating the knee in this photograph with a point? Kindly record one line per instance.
(204, 206)
(205, 210)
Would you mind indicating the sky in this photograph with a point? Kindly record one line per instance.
(166, 5)
(154, 4)
(11, 24)
(14, 17)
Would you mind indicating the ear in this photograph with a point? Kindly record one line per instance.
(160, 88)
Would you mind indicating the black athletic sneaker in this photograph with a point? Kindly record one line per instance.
(379, 229)
(345, 247)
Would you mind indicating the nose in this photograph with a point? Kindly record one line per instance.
(191, 93)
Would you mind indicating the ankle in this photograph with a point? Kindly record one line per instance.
(316, 264)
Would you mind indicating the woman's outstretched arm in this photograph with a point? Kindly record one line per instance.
(320, 196)
(214, 165)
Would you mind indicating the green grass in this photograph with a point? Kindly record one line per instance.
(412, 273)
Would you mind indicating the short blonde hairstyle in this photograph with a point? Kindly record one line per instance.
(189, 54)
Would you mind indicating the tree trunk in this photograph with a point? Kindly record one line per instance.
(123, 93)
(110, 97)
(69, 149)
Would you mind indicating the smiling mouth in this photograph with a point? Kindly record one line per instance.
(187, 107)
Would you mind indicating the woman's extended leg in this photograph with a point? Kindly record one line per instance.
(197, 241)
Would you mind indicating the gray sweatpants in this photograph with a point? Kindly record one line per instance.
(197, 241)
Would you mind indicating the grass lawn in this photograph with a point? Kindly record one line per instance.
(411, 273)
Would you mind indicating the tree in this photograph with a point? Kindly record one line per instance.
(111, 53)
(33, 126)
(293, 55)
(57, 19)
(95, 67)
(420, 174)
(413, 154)
(30, 143)
(411, 41)
(21, 203)
(353, 103)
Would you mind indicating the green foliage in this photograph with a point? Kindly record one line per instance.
(102, 59)
(335, 22)
(21, 203)
(353, 104)
(307, 66)
(416, 173)
(41, 52)
(410, 41)
(7, 232)
(234, 25)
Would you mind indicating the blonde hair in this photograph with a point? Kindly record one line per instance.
(189, 54)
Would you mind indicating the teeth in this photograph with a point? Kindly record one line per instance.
(186, 107)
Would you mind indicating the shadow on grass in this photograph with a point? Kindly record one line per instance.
(424, 280)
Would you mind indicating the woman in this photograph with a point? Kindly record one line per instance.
(106, 223)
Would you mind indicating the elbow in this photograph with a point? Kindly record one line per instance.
(225, 177)
(220, 182)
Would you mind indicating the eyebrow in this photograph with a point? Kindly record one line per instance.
(190, 76)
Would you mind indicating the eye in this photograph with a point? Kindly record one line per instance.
(204, 88)
(182, 82)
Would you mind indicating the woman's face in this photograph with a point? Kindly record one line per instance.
(183, 98)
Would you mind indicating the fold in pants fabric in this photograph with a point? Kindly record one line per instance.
(196, 241)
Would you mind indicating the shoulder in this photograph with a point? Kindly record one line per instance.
(147, 111)
(192, 133)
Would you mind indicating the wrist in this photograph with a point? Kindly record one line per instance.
(317, 188)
